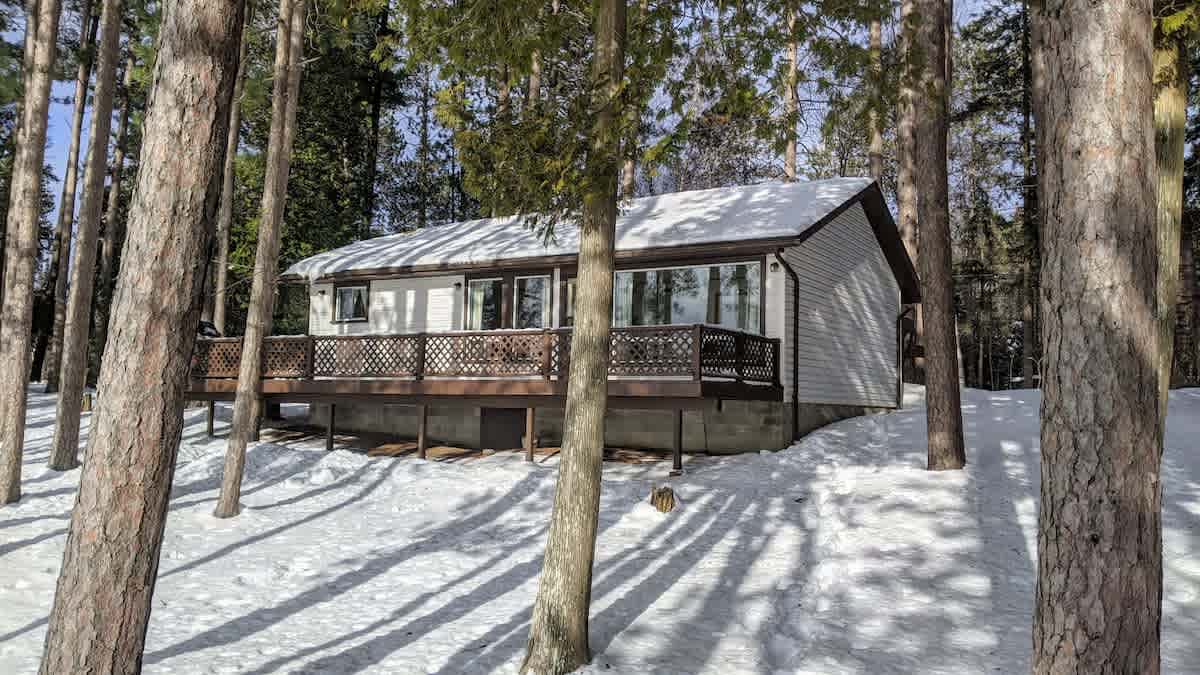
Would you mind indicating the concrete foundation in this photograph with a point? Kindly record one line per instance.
(719, 427)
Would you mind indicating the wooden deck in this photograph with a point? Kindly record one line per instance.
(651, 367)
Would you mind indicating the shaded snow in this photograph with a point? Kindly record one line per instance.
(742, 213)
(838, 555)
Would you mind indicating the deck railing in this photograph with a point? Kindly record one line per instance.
(681, 351)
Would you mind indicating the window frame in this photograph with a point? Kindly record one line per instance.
(547, 300)
(337, 288)
(467, 302)
(761, 261)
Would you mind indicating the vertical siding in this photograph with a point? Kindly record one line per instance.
(847, 309)
(413, 305)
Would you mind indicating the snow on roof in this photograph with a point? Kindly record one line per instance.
(744, 213)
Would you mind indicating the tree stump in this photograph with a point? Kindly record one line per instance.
(663, 499)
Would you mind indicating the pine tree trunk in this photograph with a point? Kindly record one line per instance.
(875, 153)
(220, 273)
(105, 587)
(65, 449)
(24, 213)
(1028, 207)
(1187, 327)
(60, 255)
(944, 417)
(376, 116)
(423, 152)
(1099, 591)
(289, 52)
(1170, 125)
(110, 243)
(906, 163)
(558, 637)
(791, 106)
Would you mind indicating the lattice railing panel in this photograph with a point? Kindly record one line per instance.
(496, 354)
(367, 356)
(216, 357)
(651, 352)
(285, 357)
(760, 360)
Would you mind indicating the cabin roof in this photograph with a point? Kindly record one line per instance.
(771, 213)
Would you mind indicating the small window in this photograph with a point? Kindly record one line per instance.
(532, 306)
(350, 303)
(484, 298)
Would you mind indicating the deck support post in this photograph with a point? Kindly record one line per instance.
(329, 428)
(529, 420)
(256, 429)
(208, 420)
(422, 428)
(677, 445)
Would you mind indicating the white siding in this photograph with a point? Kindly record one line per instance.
(413, 305)
(848, 303)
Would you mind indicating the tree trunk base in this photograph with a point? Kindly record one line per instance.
(663, 499)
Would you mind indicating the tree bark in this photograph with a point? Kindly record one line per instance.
(558, 637)
(875, 153)
(64, 450)
(1170, 126)
(944, 417)
(60, 256)
(376, 116)
(289, 52)
(114, 235)
(1187, 328)
(791, 106)
(102, 603)
(220, 274)
(1028, 208)
(906, 165)
(1099, 592)
(24, 213)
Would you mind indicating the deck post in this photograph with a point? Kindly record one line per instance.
(529, 420)
(208, 422)
(329, 428)
(677, 445)
(422, 427)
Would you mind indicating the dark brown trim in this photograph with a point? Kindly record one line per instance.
(333, 309)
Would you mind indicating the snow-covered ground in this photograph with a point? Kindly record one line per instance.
(838, 555)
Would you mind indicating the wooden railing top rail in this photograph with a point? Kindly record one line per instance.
(697, 351)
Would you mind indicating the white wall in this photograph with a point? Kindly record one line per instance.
(848, 304)
(414, 305)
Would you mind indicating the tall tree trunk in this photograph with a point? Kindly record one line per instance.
(24, 213)
(1099, 591)
(1170, 126)
(423, 153)
(875, 153)
(791, 106)
(1028, 208)
(65, 449)
(376, 116)
(105, 587)
(289, 52)
(1187, 327)
(906, 163)
(558, 637)
(111, 242)
(60, 256)
(944, 417)
(220, 269)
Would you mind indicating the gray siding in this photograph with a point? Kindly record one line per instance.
(848, 303)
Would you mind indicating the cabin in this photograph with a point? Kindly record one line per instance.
(743, 318)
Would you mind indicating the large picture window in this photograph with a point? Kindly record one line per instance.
(531, 303)
(350, 303)
(485, 298)
(726, 295)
